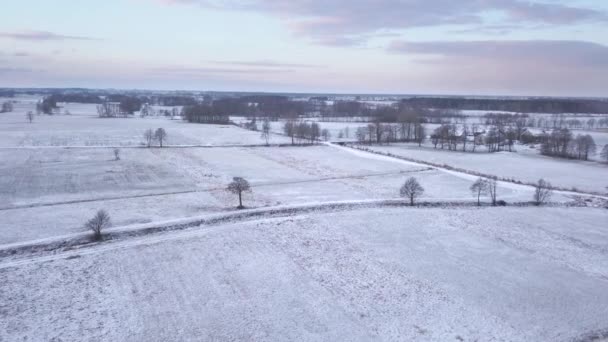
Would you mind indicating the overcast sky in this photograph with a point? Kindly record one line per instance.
(489, 47)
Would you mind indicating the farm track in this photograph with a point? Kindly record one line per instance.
(120, 237)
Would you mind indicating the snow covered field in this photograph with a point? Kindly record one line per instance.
(377, 272)
(503, 274)
(525, 166)
(85, 128)
(47, 192)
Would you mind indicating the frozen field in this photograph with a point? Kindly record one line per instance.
(47, 192)
(334, 273)
(493, 274)
(85, 128)
(525, 166)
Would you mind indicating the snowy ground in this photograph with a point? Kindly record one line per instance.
(47, 192)
(525, 166)
(511, 274)
(85, 128)
(503, 274)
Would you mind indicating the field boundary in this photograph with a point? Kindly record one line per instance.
(54, 245)
(209, 189)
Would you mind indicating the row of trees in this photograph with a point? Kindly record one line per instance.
(379, 133)
(6, 107)
(555, 121)
(495, 138)
(562, 143)
(543, 190)
(302, 132)
(519, 105)
(488, 186)
(411, 190)
(124, 107)
(151, 136)
(206, 114)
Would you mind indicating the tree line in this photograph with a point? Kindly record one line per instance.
(520, 105)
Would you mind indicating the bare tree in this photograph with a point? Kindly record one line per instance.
(238, 186)
(100, 221)
(6, 107)
(290, 130)
(604, 153)
(149, 136)
(315, 132)
(479, 188)
(583, 146)
(325, 134)
(361, 133)
(266, 130)
(116, 154)
(411, 189)
(419, 134)
(492, 189)
(542, 191)
(30, 116)
(160, 135)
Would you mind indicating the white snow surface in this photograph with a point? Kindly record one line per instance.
(492, 274)
(53, 192)
(525, 166)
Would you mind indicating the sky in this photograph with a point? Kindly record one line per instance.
(466, 47)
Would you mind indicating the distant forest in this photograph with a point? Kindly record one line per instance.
(530, 105)
(276, 106)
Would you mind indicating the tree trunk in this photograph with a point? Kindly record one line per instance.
(240, 200)
(412, 200)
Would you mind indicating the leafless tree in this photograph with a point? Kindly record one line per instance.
(30, 116)
(266, 130)
(325, 134)
(290, 130)
(492, 188)
(145, 110)
(479, 188)
(361, 133)
(411, 189)
(238, 186)
(315, 132)
(419, 134)
(149, 136)
(604, 153)
(100, 221)
(116, 154)
(583, 146)
(7, 107)
(465, 137)
(160, 135)
(542, 191)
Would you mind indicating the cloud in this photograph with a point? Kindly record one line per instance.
(544, 67)
(351, 22)
(265, 64)
(563, 53)
(15, 70)
(199, 71)
(41, 36)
